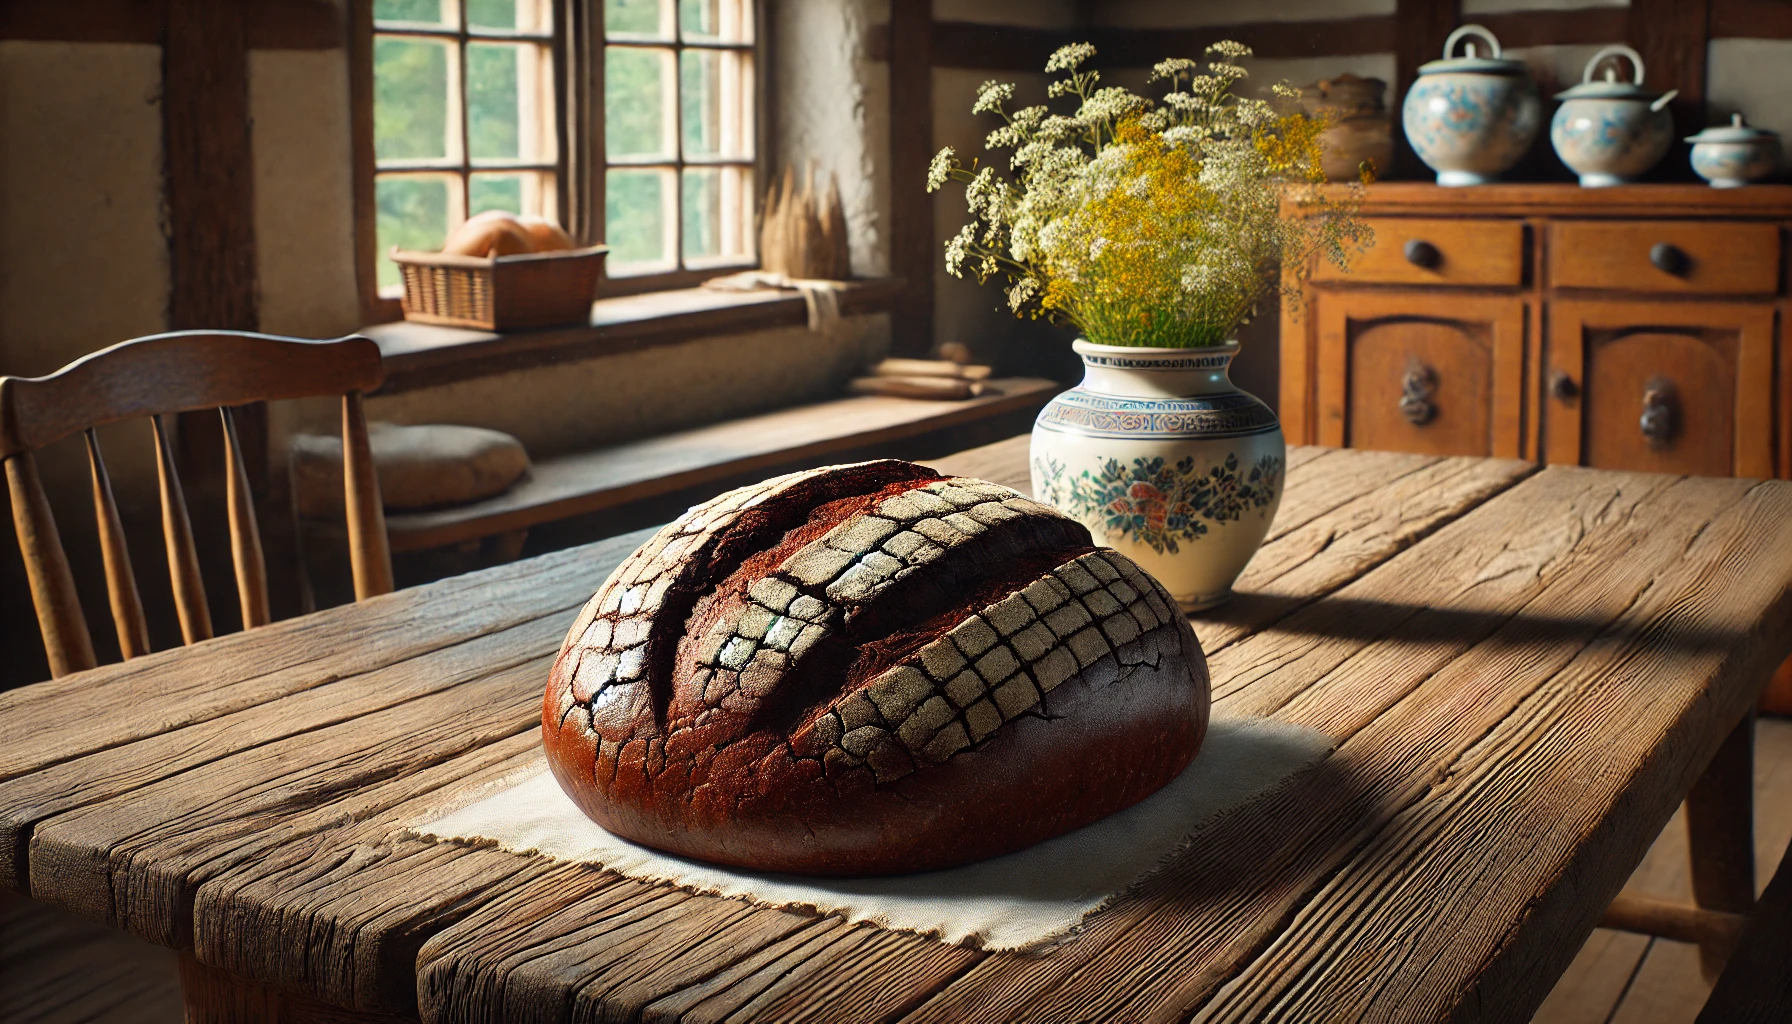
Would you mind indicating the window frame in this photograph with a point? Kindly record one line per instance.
(577, 46)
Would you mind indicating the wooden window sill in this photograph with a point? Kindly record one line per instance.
(424, 355)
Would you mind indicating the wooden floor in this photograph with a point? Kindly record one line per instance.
(1620, 978)
(57, 968)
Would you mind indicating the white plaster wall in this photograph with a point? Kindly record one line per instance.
(1752, 77)
(304, 192)
(834, 108)
(83, 256)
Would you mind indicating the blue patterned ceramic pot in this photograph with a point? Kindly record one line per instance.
(1610, 132)
(1164, 460)
(1736, 154)
(1470, 118)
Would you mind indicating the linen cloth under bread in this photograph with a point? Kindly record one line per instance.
(1022, 900)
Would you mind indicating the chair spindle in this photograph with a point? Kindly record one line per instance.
(369, 553)
(177, 533)
(245, 536)
(59, 615)
(121, 582)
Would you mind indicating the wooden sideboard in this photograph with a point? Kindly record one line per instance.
(1639, 327)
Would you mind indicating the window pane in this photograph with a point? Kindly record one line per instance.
(498, 14)
(716, 20)
(649, 18)
(413, 214)
(636, 217)
(492, 120)
(715, 90)
(702, 212)
(717, 215)
(637, 121)
(495, 192)
(416, 12)
(410, 99)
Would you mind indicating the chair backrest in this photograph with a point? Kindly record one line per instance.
(155, 377)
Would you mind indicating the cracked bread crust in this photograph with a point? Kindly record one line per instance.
(870, 669)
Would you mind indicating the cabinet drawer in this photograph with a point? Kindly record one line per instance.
(1697, 257)
(1441, 252)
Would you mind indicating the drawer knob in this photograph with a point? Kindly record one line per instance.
(1657, 421)
(1417, 389)
(1421, 253)
(1562, 387)
(1669, 258)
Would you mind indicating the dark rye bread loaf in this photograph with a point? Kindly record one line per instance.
(870, 669)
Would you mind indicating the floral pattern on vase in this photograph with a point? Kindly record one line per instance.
(1161, 504)
(1608, 142)
(1163, 459)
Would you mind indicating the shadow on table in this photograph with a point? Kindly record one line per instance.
(1368, 620)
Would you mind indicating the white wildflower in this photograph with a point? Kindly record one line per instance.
(1230, 49)
(1171, 69)
(1069, 58)
(991, 95)
(959, 248)
(944, 163)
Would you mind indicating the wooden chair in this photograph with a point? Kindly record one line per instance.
(157, 376)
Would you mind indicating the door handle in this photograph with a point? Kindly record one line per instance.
(1669, 258)
(1657, 421)
(1417, 389)
(1421, 253)
(1562, 387)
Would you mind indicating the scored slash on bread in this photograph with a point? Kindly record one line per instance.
(862, 669)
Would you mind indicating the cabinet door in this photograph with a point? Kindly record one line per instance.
(1439, 374)
(1659, 387)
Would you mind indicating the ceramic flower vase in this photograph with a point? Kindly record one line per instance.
(1163, 459)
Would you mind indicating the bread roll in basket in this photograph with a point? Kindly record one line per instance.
(870, 669)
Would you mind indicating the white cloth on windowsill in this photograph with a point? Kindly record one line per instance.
(1022, 900)
(822, 297)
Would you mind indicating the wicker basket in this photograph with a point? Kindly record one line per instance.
(546, 289)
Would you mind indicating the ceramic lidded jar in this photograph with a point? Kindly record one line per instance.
(1610, 132)
(1164, 460)
(1735, 154)
(1471, 118)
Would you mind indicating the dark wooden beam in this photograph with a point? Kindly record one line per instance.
(913, 254)
(1671, 36)
(1423, 27)
(1751, 19)
(1585, 26)
(271, 24)
(1140, 48)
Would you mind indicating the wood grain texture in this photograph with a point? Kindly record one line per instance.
(245, 535)
(121, 581)
(1720, 829)
(1677, 921)
(1736, 258)
(571, 485)
(1469, 253)
(1456, 625)
(59, 615)
(209, 170)
(1673, 38)
(177, 540)
(1715, 359)
(424, 355)
(1755, 987)
(56, 968)
(369, 546)
(1468, 352)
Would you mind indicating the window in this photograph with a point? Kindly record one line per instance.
(464, 110)
(463, 117)
(678, 134)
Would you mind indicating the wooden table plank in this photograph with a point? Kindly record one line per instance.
(1405, 704)
(1453, 623)
(51, 722)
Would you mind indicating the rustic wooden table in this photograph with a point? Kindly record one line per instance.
(1525, 672)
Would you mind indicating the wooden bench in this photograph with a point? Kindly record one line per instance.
(565, 486)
